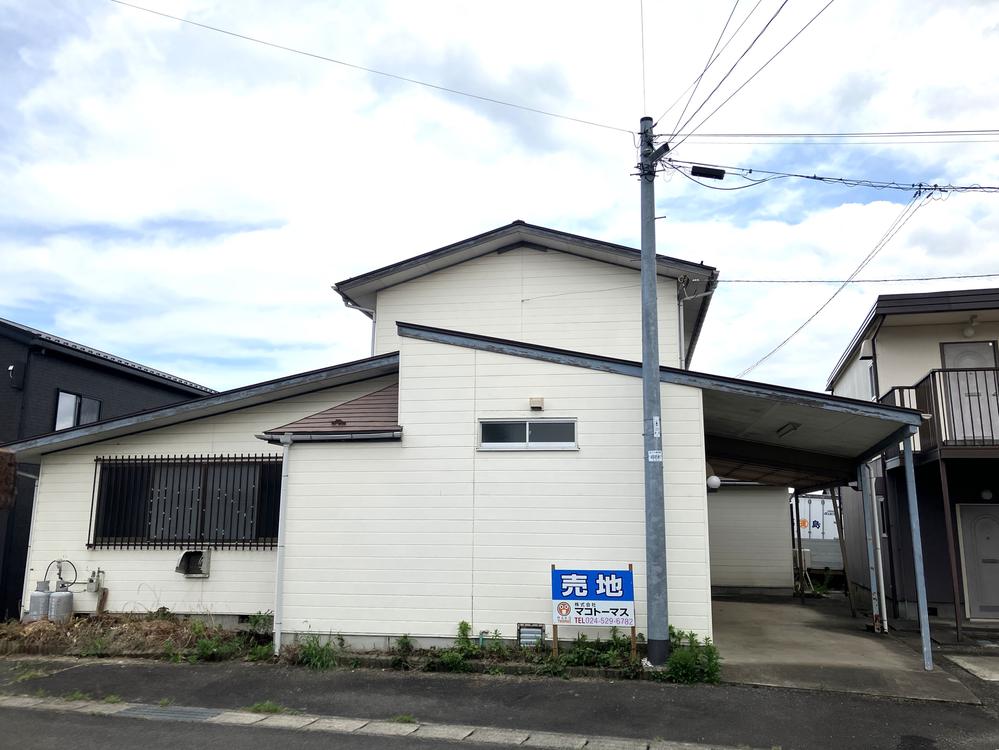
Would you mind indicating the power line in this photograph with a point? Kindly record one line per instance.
(707, 65)
(860, 281)
(847, 134)
(734, 65)
(746, 172)
(641, 22)
(907, 213)
(758, 71)
(373, 71)
(710, 63)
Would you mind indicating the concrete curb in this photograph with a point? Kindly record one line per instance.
(458, 734)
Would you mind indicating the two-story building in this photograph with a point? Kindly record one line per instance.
(937, 353)
(495, 431)
(49, 383)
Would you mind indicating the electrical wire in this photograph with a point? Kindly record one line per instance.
(707, 65)
(641, 23)
(712, 61)
(745, 172)
(860, 281)
(730, 70)
(373, 71)
(758, 71)
(918, 201)
(846, 134)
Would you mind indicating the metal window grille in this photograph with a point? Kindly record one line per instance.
(172, 502)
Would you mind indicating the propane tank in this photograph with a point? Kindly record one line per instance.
(61, 604)
(38, 603)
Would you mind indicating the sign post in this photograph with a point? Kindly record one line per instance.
(593, 599)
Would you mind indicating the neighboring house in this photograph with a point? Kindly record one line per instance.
(495, 431)
(48, 383)
(751, 540)
(937, 353)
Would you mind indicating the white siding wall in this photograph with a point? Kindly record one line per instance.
(415, 536)
(855, 380)
(548, 298)
(907, 353)
(750, 537)
(241, 581)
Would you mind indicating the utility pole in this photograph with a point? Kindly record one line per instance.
(652, 456)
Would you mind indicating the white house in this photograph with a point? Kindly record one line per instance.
(495, 431)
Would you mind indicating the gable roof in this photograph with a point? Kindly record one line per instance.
(360, 291)
(920, 303)
(237, 398)
(376, 412)
(34, 337)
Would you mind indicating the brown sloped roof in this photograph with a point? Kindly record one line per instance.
(375, 412)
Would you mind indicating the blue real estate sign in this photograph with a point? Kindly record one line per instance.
(593, 598)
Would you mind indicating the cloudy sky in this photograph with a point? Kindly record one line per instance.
(186, 199)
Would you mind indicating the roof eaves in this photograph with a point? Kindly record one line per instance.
(190, 409)
(512, 228)
(35, 337)
(666, 374)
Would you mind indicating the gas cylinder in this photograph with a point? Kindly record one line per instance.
(38, 603)
(61, 604)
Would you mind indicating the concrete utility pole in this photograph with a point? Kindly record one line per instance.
(655, 498)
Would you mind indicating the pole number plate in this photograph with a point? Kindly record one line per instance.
(655, 457)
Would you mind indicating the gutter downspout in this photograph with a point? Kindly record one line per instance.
(282, 531)
(681, 290)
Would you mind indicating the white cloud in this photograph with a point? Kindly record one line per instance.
(186, 199)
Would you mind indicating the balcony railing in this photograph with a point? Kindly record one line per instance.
(963, 406)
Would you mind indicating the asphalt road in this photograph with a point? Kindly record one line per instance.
(43, 730)
(725, 714)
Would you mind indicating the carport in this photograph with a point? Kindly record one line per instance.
(807, 441)
(761, 433)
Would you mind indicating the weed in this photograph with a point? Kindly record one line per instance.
(495, 671)
(463, 643)
(496, 649)
(77, 695)
(404, 646)
(261, 652)
(316, 654)
(690, 660)
(163, 614)
(31, 674)
(449, 660)
(96, 646)
(266, 707)
(404, 719)
(261, 623)
(341, 642)
(217, 647)
(112, 698)
(41, 693)
(552, 666)
(403, 650)
(164, 702)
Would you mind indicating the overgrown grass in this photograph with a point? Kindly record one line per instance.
(112, 698)
(266, 707)
(404, 719)
(691, 660)
(30, 674)
(77, 695)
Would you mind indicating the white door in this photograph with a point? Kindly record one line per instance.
(971, 393)
(979, 526)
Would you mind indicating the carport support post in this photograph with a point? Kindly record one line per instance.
(865, 502)
(801, 552)
(652, 453)
(917, 552)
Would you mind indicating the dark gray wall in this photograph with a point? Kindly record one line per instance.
(30, 411)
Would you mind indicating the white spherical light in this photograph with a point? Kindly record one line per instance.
(713, 482)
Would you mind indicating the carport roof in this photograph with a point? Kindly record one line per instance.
(753, 431)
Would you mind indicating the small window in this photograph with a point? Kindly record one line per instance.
(529, 434)
(73, 410)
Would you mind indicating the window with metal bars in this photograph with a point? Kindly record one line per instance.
(185, 501)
